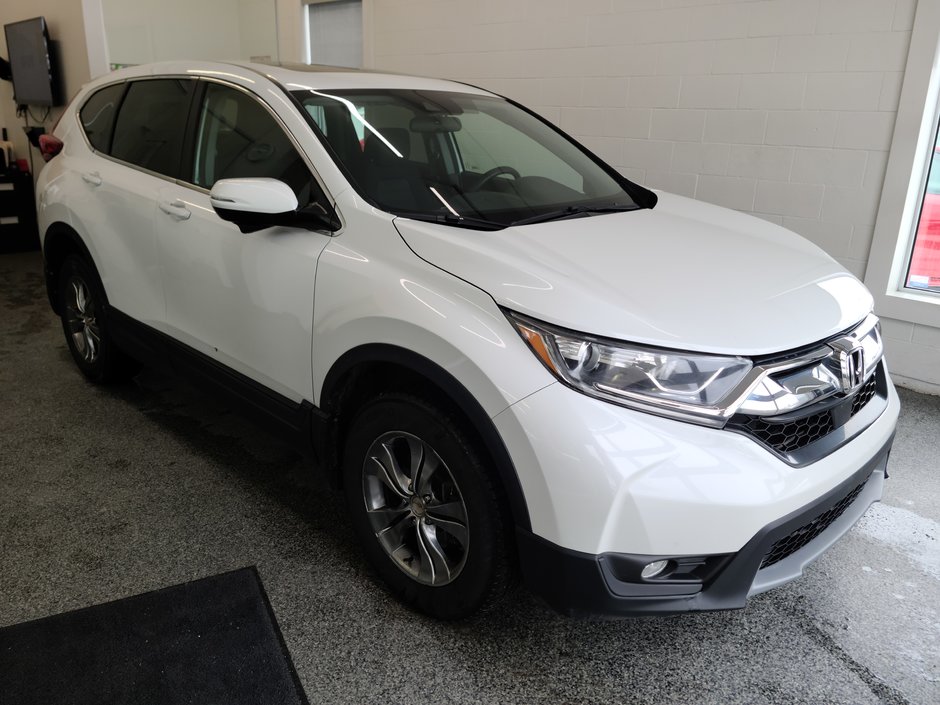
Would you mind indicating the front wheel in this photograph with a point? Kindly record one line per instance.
(425, 507)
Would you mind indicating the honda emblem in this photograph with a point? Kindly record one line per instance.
(851, 359)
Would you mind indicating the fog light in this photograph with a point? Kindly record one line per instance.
(651, 570)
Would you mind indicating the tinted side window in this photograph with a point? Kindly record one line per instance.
(237, 138)
(97, 116)
(149, 128)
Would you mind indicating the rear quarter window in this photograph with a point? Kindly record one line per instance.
(97, 116)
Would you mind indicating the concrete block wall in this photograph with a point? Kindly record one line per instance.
(780, 108)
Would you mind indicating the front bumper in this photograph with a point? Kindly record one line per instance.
(610, 490)
(578, 583)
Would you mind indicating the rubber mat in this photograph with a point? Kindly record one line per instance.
(213, 640)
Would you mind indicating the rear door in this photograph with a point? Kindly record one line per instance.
(245, 300)
(136, 131)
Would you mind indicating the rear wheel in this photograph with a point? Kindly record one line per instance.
(84, 321)
(425, 507)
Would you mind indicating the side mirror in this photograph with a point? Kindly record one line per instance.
(257, 203)
(259, 196)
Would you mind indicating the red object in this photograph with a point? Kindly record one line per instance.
(22, 165)
(924, 272)
(49, 145)
(925, 260)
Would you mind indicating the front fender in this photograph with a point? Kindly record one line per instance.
(376, 301)
(393, 298)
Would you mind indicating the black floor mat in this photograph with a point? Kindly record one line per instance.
(209, 641)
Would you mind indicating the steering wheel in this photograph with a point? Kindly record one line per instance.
(493, 173)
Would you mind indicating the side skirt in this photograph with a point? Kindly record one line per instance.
(302, 425)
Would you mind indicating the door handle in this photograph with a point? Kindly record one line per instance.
(92, 179)
(176, 209)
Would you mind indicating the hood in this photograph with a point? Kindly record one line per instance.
(685, 275)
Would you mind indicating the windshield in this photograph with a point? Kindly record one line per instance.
(465, 159)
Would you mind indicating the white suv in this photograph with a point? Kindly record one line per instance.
(511, 358)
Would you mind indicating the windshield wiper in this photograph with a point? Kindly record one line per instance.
(463, 221)
(571, 212)
(450, 219)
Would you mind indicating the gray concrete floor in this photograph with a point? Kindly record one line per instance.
(110, 492)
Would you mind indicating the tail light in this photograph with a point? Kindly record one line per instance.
(49, 146)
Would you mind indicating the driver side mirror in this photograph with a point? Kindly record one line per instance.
(257, 203)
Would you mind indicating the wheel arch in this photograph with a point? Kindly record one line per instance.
(60, 241)
(364, 371)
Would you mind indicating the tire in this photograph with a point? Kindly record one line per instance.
(84, 317)
(425, 508)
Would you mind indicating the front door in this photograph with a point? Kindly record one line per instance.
(245, 300)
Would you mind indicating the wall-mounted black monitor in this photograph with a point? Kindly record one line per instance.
(31, 62)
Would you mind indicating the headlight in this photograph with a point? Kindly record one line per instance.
(692, 386)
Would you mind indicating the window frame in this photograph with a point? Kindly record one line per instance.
(107, 155)
(905, 179)
(189, 144)
(194, 87)
(193, 134)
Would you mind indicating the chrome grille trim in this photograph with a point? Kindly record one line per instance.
(802, 437)
(799, 382)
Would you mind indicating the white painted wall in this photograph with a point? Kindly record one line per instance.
(291, 31)
(780, 108)
(257, 29)
(140, 31)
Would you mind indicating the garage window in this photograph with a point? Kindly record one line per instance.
(334, 32)
(923, 271)
(904, 264)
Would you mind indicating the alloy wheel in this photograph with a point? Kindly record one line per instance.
(415, 508)
(82, 321)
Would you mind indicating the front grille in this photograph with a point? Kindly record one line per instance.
(806, 533)
(864, 395)
(791, 435)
